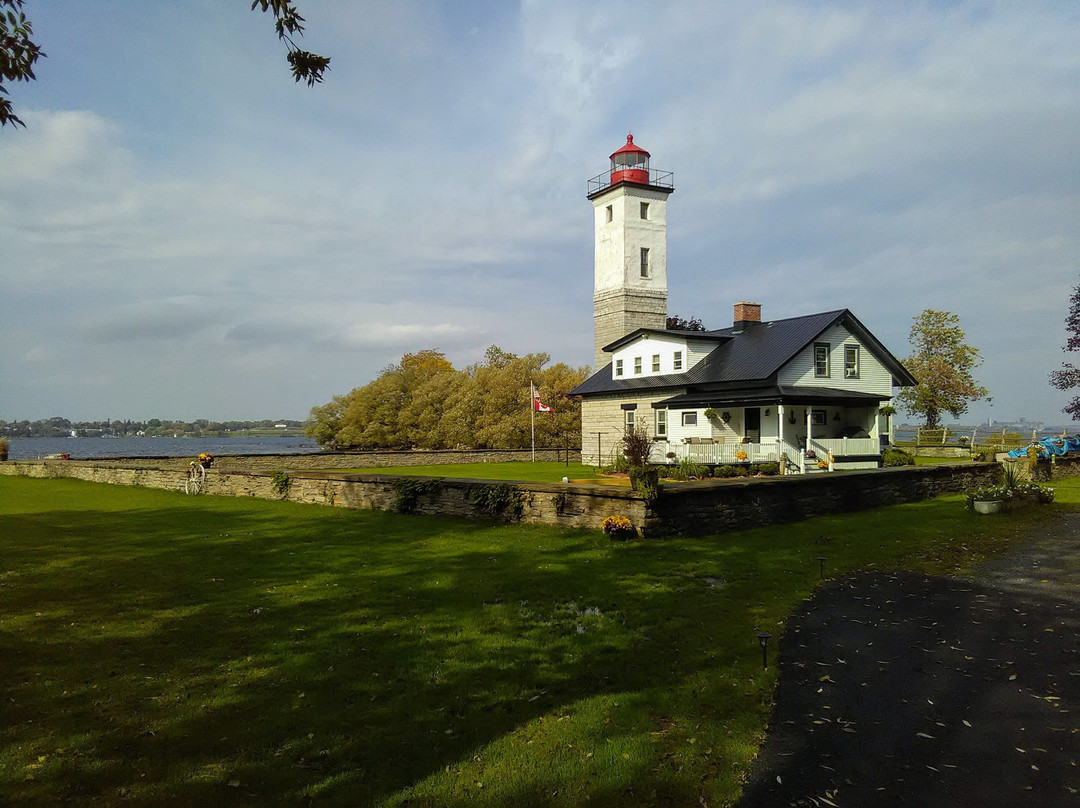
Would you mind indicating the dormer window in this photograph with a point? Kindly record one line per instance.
(677, 361)
(618, 367)
(637, 365)
(656, 363)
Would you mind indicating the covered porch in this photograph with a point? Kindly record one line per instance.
(805, 431)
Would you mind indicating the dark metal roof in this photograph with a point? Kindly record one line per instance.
(754, 354)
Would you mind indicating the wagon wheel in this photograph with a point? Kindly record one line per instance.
(196, 479)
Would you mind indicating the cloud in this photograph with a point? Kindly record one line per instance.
(431, 193)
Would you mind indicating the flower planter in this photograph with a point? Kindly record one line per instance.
(989, 506)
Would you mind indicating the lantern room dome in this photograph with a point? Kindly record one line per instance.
(630, 163)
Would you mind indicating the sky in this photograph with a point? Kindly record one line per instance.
(187, 233)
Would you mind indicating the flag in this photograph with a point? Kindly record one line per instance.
(537, 406)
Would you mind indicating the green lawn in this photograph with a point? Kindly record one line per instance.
(934, 461)
(522, 472)
(159, 649)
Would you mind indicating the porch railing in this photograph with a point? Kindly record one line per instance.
(845, 447)
(717, 454)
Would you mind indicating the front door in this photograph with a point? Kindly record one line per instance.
(752, 424)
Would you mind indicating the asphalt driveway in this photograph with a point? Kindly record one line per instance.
(912, 690)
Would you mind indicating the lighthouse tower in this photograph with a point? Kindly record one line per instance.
(630, 265)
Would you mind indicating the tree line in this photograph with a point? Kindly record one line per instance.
(424, 402)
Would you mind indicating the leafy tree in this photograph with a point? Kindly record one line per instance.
(424, 402)
(18, 52)
(677, 323)
(1068, 378)
(942, 363)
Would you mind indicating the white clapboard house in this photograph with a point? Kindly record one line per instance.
(805, 392)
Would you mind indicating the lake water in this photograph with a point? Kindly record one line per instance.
(30, 448)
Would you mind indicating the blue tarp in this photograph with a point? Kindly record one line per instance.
(1052, 446)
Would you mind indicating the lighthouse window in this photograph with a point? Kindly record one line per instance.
(644, 262)
(610, 214)
(644, 210)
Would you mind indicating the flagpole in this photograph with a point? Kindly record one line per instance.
(532, 418)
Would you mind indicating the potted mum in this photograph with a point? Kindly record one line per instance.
(617, 528)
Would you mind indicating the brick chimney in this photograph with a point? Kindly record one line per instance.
(746, 314)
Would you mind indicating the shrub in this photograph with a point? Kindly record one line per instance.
(4, 448)
(688, 469)
(742, 471)
(496, 498)
(768, 469)
(897, 457)
(280, 481)
(636, 445)
(407, 492)
(724, 471)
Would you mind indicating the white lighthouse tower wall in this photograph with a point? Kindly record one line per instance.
(628, 219)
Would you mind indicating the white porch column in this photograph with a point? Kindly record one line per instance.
(877, 427)
(809, 419)
(781, 444)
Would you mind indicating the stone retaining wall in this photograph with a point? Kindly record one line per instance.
(691, 509)
(583, 506)
(941, 451)
(714, 507)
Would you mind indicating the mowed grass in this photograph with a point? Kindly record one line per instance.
(159, 649)
(520, 471)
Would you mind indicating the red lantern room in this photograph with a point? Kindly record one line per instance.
(630, 163)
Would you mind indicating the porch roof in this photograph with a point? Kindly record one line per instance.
(769, 394)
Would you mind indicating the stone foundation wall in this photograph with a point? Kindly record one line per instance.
(690, 509)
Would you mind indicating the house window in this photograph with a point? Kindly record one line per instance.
(656, 363)
(678, 360)
(821, 359)
(644, 210)
(637, 365)
(644, 262)
(629, 416)
(851, 361)
(661, 423)
(610, 214)
(618, 367)
(689, 419)
(817, 418)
